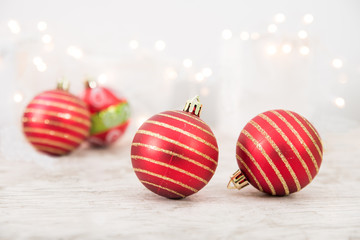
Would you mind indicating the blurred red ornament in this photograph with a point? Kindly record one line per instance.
(109, 114)
(174, 153)
(56, 122)
(279, 152)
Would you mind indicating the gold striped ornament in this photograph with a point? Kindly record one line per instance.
(56, 122)
(278, 152)
(174, 153)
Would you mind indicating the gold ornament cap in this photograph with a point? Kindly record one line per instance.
(63, 84)
(238, 180)
(193, 106)
(90, 83)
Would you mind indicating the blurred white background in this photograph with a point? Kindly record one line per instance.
(241, 57)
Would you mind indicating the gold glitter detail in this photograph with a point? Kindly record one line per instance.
(66, 116)
(57, 124)
(273, 192)
(183, 132)
(299, 138)
(165, 178)
(190, 116)
(50, 142)
(187, 122)
(306, 131)
(315, 132)
(63, 97)
(177, 144)
(174, 154)
(249, 171)
(276, 148)
(53, 133)
(170, 166)
(287, 140)
(258, 146)
(167, 189)
(50, 149)
(62, 106)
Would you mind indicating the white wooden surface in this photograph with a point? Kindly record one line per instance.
(94, 194)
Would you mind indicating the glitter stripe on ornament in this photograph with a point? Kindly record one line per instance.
(103, 120)
(149, 133)
(166, 179)
(164, 188)
(312, 128)
(249, 155)
(170, 166)
(63, 106)
(66, 116)
(68, 98)
(53, 133)
(50, 150)
(250, 172)
(299, 138)
(187, 122)
(136, 144)
(306, 131)
(183, 132)
(291, 145)
(190, 116)
(56, 124)
(280, 154)
(271, 163)
(52, 143)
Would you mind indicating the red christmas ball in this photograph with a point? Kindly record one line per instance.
(174, 153)
(109, 114)
(56, 122)
(279, 152)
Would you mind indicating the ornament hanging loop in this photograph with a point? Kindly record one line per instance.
(63, 84)
(193, 106)
(238, 180)
(90, 83)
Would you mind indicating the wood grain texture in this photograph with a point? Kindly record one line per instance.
(94, 194)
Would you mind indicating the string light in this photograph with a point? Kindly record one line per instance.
(102, 78)
(199, 77)
(39, 64)
(75, 52)
(302, 34)
(42, 26)
(170, 73)
(255, 36)
(304, 50)
(343, 78)
(226, 34)
(272, 28)
(160, 45)
(339, 102)
(279, 18)
(133, 44)
(286, 48)
(46, 39)
(244, 36)
(271, 50)
(308, 18)
(207, 72)
(204, 91)
(14, 27)
(18, 97)
(187, 63)
(337, 63)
